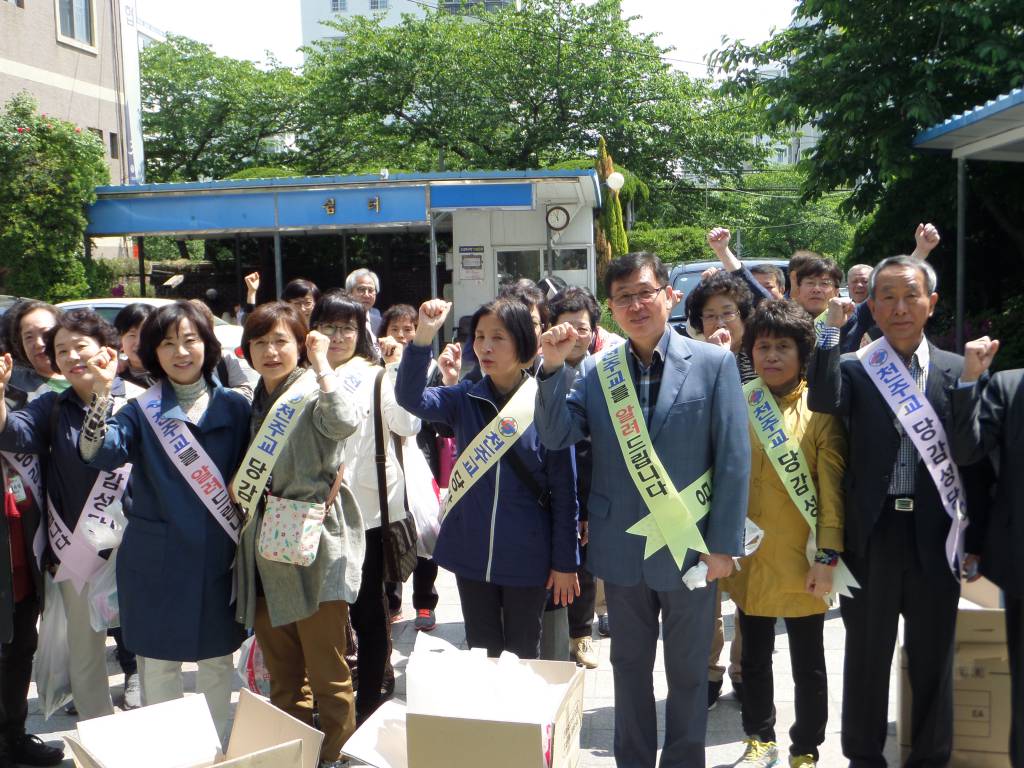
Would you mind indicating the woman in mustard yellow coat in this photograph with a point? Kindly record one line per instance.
(798, 458)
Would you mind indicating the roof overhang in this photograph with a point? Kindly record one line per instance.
(326, 204)
(991, 131)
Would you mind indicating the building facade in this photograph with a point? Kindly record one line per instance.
(314, 12)
(79, 60)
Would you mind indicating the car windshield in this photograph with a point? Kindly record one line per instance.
(683, 283)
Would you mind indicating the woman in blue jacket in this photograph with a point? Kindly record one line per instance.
(511, 535)
(174, 567)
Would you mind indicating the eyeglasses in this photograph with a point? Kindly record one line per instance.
(365, 290)
(625, 300)
(823, 284)
(329, 329)
(302, 303)
(725, 317)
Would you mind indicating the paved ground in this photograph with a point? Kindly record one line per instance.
(725, 734)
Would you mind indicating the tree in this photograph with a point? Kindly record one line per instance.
(610, 240)
(869, 77)
(519, 88)
(49, 171)
(205, 116)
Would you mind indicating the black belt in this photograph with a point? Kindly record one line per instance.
(901, 503)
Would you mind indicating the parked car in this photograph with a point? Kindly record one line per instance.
(686, 276)
(229, 336)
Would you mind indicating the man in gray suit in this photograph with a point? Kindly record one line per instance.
(691, 404)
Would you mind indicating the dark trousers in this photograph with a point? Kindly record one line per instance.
(1015, 644)
(125, 658)
(502, 618)
(370, 622)
(686, 619)
(424, 596)
(894, 584)
(807, 655)
(16, 668)
(581, 610)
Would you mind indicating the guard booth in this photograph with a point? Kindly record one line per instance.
(502, 225)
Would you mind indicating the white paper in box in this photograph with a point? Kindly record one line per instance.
(181, 734)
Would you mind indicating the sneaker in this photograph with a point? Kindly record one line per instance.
(583, 652)
(759, 754)
(714, 691)
(602, 626)
(71, 709)
(395, 616)
(425, 620)
(29, 749)
(802, 761)
(132, 693)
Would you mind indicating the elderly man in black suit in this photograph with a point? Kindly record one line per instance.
(904, 514)
(988, 420)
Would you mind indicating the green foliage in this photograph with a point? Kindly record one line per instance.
(870, 77)
(49, 170)
(263, 172)
(169, 249)
(520, 89)
(672, 244)
(206, 116)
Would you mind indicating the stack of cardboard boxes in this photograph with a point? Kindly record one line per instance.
(981, 683)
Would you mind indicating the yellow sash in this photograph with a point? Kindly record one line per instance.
(673, 517)
(491, 443)
(788, 460)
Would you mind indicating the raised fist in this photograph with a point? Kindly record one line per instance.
(390, 349)
(317, 345)
(978, 355)
(450, 363)
(839, 310)
(103, 367)
(556, 343)
(252, 285)
(926, 236)
(6, 367)
(433, 313)
(718, 239)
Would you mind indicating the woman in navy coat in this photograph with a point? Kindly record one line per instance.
(506, 547)
(174, 567)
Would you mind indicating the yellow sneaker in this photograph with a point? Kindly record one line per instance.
(759, 754)
(802, 761)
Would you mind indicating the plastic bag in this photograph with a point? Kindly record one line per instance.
(104, 613)
(424, 498)
(107, 533)
(251, 668)
(52, 663)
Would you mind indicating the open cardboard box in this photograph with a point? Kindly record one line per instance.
(181, 734)
(423, 736)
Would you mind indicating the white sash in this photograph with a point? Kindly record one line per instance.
(78, 551)
(30, 470)
(268, 444)
(918, 418)
(491, 443)
(185, 453)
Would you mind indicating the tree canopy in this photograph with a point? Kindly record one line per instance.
(49, 171)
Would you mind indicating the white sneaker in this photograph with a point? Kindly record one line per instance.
(132, 693)
(759, 754)
(582, 651)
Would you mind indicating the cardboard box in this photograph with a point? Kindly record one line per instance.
(426, 734)
(981, 691)
(181, 734)
(983, 593)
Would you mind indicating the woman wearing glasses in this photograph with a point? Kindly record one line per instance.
(719, 308)
(342, 319)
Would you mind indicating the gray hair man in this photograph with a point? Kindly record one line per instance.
(364, 285)
(857, 281)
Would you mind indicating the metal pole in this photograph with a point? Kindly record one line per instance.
(961, 249)
(278, 271)
(433, 271)
(344, 253)
(141, 242)
(238, 269)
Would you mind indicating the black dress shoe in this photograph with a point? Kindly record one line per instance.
(29, 749)
(714, 691)
(602, 625)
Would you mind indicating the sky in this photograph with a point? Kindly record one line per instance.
(245, 29)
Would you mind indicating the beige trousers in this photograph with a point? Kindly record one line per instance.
(87, 649)
(162, 681)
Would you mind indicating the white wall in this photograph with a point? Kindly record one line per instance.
(314, 11)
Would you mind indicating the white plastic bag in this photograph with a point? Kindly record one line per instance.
(251, 668)
(106, 533)
(53, 671)
(424, 497)
(104, 613)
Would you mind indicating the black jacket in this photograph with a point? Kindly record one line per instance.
(841, 386)
(988, 421)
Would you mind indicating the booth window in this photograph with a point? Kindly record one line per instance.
(115, 146)
(515, 265)
(77, 21)
(339, 5)
(379, 5)
(567, 259)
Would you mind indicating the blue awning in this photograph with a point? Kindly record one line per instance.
(319, 203)
(991, 131)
